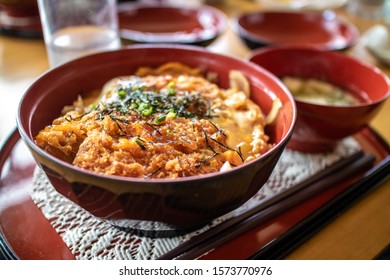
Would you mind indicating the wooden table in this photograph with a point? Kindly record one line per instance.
(360, 233)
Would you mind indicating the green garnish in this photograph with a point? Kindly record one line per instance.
(161, 119)
(166, 102)
(139, 143)
(171, 115)
(144, 106)
(121, 93)
(147, 112)
(133, 106)
(94, 106)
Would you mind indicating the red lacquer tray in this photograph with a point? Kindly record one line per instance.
(25, 233)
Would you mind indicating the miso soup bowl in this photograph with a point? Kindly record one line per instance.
(148, 204)
(320, 127)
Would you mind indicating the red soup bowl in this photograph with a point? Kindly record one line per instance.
(176, 204)
(320, 127)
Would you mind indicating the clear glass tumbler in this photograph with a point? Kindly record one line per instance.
(74, 28)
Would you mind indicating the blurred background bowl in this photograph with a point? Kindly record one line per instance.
(141, 23)
(320, 127)
(20, 8)
(302, 4)
(181, 203)
(319, 29)
(20, 18)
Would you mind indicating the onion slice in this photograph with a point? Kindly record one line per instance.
(276, 106)
(239, 82)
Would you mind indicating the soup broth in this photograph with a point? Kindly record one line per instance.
(319, 92)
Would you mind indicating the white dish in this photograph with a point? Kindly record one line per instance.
(302, 4)
(377, 41)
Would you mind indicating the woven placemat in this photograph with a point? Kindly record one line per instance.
(90, 238)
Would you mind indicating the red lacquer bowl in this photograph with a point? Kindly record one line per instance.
(142, 23)
(319, 127)
(20, 8)
(20, 18)
(322, 30)
(181, 203)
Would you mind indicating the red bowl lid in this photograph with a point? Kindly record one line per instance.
(322, 30)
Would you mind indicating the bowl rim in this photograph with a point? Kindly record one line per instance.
(117, 178)
(316, 51)
(321, 14)
(169, 37)
(316, 5)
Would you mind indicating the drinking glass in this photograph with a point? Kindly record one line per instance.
(74, 28)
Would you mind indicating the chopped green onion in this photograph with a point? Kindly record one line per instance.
(147, 112)
(143, 106)
(94, 106)
(139, 142)
(161, 119)
(121, 93)
(171, 115)
(160, 104)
